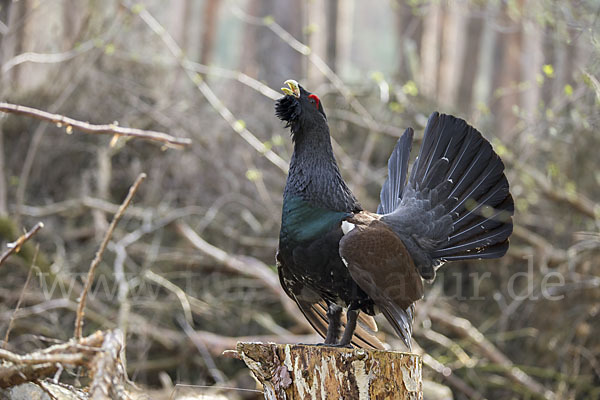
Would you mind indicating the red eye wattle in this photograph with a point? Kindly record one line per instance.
(316, 99)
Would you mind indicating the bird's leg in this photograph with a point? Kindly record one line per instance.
(334, 315)
(351, 317)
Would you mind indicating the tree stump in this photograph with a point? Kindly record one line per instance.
(299, 372)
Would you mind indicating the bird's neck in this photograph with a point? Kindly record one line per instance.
(314, 175)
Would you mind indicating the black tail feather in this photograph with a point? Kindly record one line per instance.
(457, 204)
(391, 192)
(401, 320)
(482, 213)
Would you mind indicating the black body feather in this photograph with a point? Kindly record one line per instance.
(455, 205)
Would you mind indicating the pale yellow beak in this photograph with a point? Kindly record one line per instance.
(293, 90)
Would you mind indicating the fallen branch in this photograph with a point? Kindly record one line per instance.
(110, 129)
(17, 369)
(90, 277)
(108, 370)
(16, 245)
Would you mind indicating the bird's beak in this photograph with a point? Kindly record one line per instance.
(294, 88)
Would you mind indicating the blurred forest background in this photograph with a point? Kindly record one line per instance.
(190, 268)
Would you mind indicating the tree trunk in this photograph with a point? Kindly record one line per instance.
(510, 76)
(470, 60)
(3, 193)
(454, 41)
(409, 28)
(345, 36)
(265, 56)
(533, 58)
(483, 83)
(317, 39)
(209, 30)
(430, 50)
(12, 42)
(298, 372)
(332, 19)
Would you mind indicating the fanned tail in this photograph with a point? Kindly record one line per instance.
(391, 192)
(456, 204)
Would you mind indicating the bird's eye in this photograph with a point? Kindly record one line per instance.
(314, 99)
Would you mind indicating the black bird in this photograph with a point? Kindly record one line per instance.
(332, 254)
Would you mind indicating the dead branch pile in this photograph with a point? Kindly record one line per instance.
(188, 271)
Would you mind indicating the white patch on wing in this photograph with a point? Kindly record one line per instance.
(345, 262)
(347, 227)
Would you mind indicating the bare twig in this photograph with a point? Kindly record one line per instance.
(464, 328)
(37, 358)
(82, 203)
(358, 120)
(39, 364)
(449, 344)
(312, 56)
(240, 128)
(237, 75)
(98, 257)
(248, 266)
(44, 389)
(203, 350)
(71, 352)
(576, 200)
(16, 245)
(47, 58)
(69, 86)
(554, 253)
(237, 125)
(451, 378)
(181, 295)
(109, 129)
(21, 296)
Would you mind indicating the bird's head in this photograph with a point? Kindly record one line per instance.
(299, 107)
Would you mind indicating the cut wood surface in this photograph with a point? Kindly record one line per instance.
(298, 372)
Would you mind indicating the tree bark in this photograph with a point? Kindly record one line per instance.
(298, 372)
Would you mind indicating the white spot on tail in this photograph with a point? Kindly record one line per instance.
(347, 227)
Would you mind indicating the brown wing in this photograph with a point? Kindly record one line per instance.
(380, 264)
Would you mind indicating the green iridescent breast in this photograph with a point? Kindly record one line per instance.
(302, 221)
